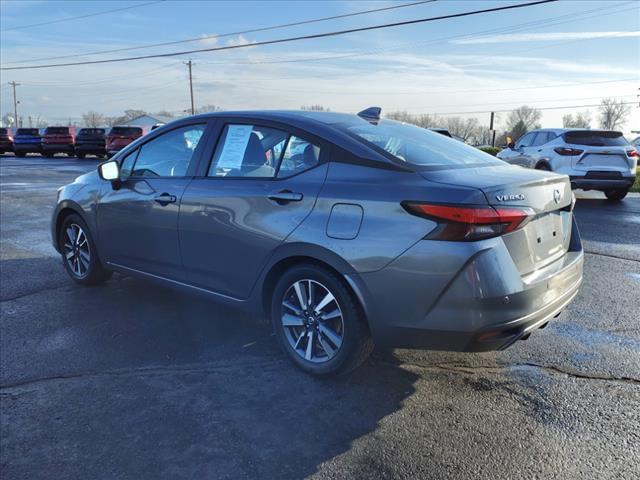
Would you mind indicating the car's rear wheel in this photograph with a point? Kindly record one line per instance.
(79, 254)
(543, 166)
(616, 194)
(318, 321)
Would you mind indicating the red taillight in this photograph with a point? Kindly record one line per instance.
(568, 151)
(633, 153)
(458, 223)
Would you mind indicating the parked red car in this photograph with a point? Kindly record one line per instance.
(58, 140)
(6, 141)
(121, 136)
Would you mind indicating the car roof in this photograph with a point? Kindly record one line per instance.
(327, 118)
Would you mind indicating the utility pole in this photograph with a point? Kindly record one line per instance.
(493, 132)
(189, 64)
(15, 102)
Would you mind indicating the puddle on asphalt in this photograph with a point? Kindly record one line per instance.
(594, 337)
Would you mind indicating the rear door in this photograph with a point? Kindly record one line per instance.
(259, 185)
(138, 222)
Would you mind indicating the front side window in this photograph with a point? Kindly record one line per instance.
(526, 141)
(417, 146)
(254, 151)
(168, 155)
(126, 164)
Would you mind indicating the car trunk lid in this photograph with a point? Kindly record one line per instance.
(545, 237)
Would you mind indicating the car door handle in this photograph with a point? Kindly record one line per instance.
(285, 196)
(165, 199)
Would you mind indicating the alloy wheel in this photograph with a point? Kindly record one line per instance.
(76, 250)
(312, 320)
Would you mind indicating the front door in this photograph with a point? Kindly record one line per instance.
(260, 185)
(138, 222)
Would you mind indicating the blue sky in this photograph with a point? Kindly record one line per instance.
(473, 64)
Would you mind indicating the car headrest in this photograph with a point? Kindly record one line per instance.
(254, 155)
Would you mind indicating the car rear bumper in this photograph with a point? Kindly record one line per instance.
(602, 181)
(464, 297)
(57, 148)
(91, 148)
(27, 147)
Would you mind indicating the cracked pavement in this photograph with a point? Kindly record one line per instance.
(132, 380)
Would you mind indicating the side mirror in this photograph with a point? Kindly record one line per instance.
(110, 171)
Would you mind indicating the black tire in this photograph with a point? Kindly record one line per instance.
(80, 155)
(356, 344)
(21, 154)
(543, 166)
(616, 194)
(94, 273)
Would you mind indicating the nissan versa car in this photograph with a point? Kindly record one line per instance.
(344, 229)
(27, 140)
(594, 159)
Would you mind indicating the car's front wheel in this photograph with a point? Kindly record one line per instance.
(616, 194)
(318, 321)
(79, 254)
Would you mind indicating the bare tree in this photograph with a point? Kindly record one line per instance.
(315, 108)
(93, 119)
(165, 113)
(464, 128)
(521, 120)
(613, 113)
(424, 120)
(208, 108)
(581, 120)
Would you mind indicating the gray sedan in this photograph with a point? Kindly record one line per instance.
(346, 230)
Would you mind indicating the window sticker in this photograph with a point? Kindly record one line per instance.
(235, 144)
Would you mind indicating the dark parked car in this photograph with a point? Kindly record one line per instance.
(91, 141)
(344, 229)
(120, 137)
(27, 140)
(58, 140)
(6, 140)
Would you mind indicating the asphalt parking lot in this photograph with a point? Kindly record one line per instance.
(130, 380)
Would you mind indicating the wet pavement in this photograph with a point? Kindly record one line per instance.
(132, 380)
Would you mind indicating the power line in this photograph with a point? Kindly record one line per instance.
(510, 109)
(230, 34)
(517, 27)
(104, 12)
(291, 39)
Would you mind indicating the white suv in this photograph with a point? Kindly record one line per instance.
(594, 159)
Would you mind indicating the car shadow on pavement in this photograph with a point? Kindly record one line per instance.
(139, 381)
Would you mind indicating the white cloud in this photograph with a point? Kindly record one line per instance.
(542, 37)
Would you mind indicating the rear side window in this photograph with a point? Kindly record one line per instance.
(27, 131)
(168, 155)
(595, 138)
(299, 156)
(57, 131)
(126, 131)
(261, 152)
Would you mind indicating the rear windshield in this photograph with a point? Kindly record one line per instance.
(57, 131)
(417, 146)
(27, 131)
(91, 131)
(596, 139)
(125, 131)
